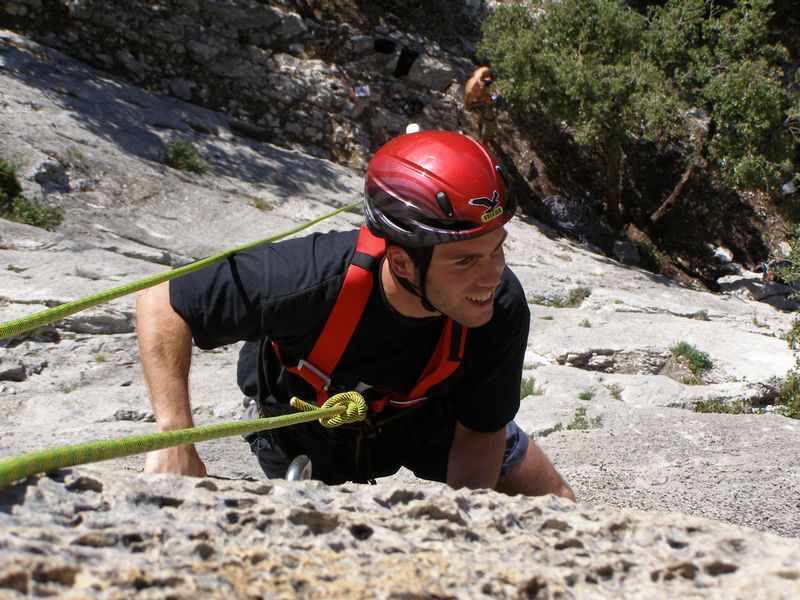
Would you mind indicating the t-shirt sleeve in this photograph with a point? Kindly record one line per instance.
(282, 291)
(487, 393)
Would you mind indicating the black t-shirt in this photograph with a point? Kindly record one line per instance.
(284, 291)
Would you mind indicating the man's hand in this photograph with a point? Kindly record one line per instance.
(182, 460)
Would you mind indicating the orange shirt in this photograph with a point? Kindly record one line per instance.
(476, 93)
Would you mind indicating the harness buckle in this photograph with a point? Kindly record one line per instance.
(324, 380)
(405, 403)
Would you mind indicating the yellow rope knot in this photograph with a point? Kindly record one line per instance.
(353, 402)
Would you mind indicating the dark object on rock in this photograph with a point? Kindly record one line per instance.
(250, 130)
(404, 62)
(15, 371)
(626, 253)
(577, 218)
(385, 46)
(412, 107)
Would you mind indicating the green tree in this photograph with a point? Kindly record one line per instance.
(689, 74)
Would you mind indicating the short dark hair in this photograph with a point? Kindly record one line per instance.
(421, 257)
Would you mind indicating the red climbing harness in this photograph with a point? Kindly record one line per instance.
(344, 318)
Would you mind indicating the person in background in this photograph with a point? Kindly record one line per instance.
(478, 98)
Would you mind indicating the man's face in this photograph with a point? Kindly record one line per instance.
(463, 276)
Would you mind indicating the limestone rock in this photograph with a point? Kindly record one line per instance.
(113, 534)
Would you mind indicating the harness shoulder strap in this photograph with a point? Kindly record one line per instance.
(343, 319)
(444, 360)
(350, 304)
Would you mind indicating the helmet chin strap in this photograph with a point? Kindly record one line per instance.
(419, 292)
(422, 263)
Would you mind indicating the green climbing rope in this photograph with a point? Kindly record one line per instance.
(347, 407)
(49, 315)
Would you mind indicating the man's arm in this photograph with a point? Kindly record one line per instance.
(480, 100)
(165, 350)
(475, 458)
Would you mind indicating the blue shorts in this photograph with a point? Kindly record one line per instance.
(412, 437)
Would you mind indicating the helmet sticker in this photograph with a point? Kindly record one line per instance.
(492, 206)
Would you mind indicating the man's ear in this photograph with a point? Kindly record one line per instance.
(400, 263)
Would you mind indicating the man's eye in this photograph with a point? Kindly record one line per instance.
(466, 261)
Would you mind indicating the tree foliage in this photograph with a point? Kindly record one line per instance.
(693, 73)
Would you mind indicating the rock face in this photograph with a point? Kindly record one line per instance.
(278, 76)
(608, 400)
(113, 535)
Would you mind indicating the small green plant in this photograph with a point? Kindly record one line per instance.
(585, 323)
(788, 270)
(575, 298)
(260, 204)
(581, 422)
(74, 153)
(528, 387)
(100, 358)
(586, 395)
(700, 315)
(16, 207)
(615, 390)
(792, 336)
(9, 185)
(695, 360)
(182, 154)
(788, 397)
(36, 213)
(547, 318)
(714, 405)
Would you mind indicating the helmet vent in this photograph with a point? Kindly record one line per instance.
(444, 203)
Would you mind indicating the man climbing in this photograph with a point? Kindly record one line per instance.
(478, 98)
(417, 311)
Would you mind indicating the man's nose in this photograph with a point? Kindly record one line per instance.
(492, 269)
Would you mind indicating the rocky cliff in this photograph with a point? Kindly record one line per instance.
(671, 502)
(279, 75)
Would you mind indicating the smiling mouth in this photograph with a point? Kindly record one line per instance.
(482, 299)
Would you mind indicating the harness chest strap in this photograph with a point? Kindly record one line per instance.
(344, 318)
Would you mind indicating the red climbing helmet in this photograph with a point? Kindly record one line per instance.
(434, 187)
